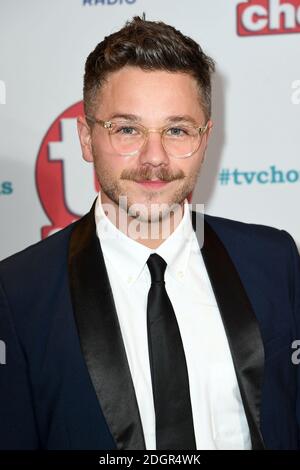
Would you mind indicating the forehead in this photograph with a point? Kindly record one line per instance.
(149, 93)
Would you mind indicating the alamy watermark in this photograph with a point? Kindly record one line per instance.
(2, 352)
(296, 353)
(150, 221)
(295, 96)
(2, 92)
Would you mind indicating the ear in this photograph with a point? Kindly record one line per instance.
(209, 129)
(85, 138)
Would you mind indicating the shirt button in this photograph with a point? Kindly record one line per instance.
(129, 279)
(180, 274)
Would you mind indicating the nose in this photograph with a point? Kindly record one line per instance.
(153, 151)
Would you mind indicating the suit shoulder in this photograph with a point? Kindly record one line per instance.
(234, 232)
(239, 227)
(40, 254)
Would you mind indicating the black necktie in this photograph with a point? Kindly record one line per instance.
(170, 383)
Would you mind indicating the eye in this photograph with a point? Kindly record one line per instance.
(177, 132)
(127, 130)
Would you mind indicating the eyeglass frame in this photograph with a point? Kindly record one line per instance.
(108, 125)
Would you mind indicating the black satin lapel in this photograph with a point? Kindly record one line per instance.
(240, 324)
(100, 335)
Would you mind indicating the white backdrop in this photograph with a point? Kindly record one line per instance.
(252, 170)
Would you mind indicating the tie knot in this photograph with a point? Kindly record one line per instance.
(157, 267)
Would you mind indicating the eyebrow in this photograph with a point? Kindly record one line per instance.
(169, 119)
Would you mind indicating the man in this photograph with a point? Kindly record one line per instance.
(127, 330)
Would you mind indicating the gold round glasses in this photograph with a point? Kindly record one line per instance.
(128, 138)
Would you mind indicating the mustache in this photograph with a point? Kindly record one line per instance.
(146, 174)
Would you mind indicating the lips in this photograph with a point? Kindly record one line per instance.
(153, 183)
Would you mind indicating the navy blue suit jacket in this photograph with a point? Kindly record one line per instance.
(66, 383)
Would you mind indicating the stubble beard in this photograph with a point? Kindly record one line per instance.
(149, 211)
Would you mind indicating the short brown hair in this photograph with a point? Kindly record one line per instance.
(150, 45)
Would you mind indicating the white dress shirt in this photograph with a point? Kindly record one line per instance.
(218, 412)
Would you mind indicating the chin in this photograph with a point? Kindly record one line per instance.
(153, 211)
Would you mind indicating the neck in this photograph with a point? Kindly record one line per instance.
(150, 234)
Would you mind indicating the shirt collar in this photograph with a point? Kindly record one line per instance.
(129, 257)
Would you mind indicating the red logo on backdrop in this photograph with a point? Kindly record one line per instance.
(66, 184)
(256, 17)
